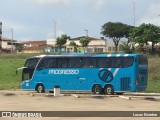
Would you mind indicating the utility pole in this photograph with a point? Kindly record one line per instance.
(11, 40)
(134, 20)
(55, 29)
(86, 32)
(0, 30)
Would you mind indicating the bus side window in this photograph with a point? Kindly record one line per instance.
(116, 62)
(62, 62)
(74, 63)
(101, 63)
(88, 62)
(127, 61)
(47, 63)
(50, 63)
(41, 65)
(85, 62)
(92, 62)
(108, 62)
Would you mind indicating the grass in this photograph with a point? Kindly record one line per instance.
(153, 74)
(16, 56)
(8, 77)
(8, 65)
(10, 80)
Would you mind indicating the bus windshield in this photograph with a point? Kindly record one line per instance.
(31, 63)
(29, 68)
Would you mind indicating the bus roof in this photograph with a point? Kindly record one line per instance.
(86, 55)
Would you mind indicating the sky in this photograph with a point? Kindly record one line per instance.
(35, 19)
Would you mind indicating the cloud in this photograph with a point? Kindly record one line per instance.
(152, 16)
(98, 4)
(7, 25)
(51, 34)
(16, 26)
(60, 32)
(48, 2)
(154, 21)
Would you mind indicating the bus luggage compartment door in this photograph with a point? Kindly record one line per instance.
(82, 78)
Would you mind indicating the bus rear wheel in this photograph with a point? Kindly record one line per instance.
(97, 89)
(40, 88)
(108, 90)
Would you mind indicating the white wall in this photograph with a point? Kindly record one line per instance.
(51, 41)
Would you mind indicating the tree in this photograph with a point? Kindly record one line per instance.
(84, 42)
(145, 33)
(126, 47)
(61, 41)
(73, 44)
(115, 31)
(127, 30)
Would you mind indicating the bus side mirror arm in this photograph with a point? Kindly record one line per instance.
(16, 71)
(20, 69)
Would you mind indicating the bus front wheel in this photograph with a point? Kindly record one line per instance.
(97, 89)
(40, 88)
(108, 90)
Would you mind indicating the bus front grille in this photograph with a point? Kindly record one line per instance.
(125, 83)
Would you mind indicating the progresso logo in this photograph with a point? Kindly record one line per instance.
(68, 71)
(105, 75)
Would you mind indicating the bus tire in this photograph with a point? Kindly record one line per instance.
(119, 93)
(97, 89)
(51, 91)
(40, 88)
(108, 90)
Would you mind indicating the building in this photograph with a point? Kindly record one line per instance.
(111, 47)
(52, 47)
(7, 45)
(34, 46)
(148, 46)
(96, 45)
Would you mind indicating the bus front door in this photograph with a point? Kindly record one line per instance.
(26, 77)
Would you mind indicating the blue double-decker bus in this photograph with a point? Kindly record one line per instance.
(99, 73)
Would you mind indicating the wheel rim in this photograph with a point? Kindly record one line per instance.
(109, 90)
(40, 88)
(97, 90)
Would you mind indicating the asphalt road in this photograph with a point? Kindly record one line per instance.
(30, 101)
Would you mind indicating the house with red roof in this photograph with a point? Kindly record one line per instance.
(7, 45)
(35, 46)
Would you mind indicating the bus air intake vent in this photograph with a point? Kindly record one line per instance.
(125, 83)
